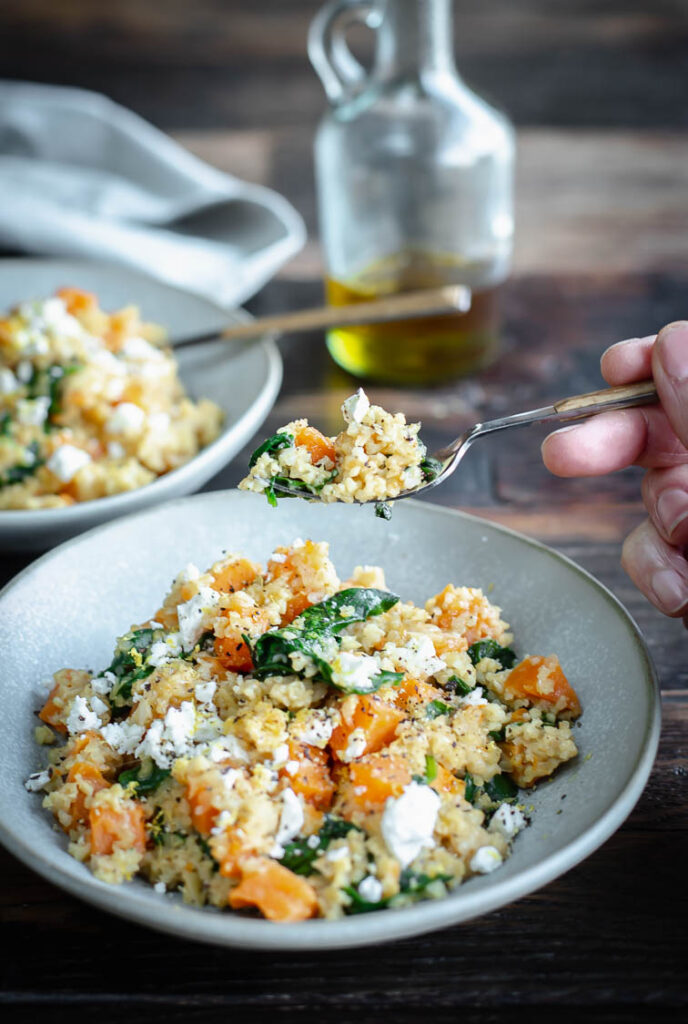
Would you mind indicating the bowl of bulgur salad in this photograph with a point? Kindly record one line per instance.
(98, 415)
(293, 743)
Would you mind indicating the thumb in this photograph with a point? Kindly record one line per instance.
(670, 371)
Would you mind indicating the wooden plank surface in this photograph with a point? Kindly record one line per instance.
(226, 63)
(587, 202)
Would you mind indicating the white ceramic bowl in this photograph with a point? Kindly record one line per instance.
(243, 380)
(67, 608)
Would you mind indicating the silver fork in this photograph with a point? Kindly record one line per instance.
(441, 465)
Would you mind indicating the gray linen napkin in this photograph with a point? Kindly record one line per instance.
(82, 176)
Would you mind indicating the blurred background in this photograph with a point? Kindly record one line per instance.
(597, 88)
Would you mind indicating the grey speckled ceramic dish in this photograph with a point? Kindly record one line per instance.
(67, 608)
(243, 380)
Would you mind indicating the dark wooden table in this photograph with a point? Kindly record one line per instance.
(602, 254)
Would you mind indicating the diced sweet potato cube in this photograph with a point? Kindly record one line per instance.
(199, 796)
(445, 782)
(413, 690)
(89, 781)
(76, 300)
(278, 893)
(542, 682)
(375, 717)
(117, 827)
(234, 575)
(319, 447)
(312, 779)
(233, 652)
(375, 778)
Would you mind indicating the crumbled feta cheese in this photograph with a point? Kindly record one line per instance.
(37, 781)
(160, 887)
(370, 889)
(290, 822)
(507, 820)
(49, 315)
(126, 419)
(158, 422)
(170, 737)
(162, 651)
(351, 672)
(8, 382)
(116, 450)
(123, 737)
(485, 860)
(313, 842)
(81, 718)
(204, 692)
(280, 755)
(356, 746)
(192, 572)
(195, 615)
(278, 556)
(229, 778)
(98, 705)
(227, 747)
(355, 407)
(408, 822)
(417, 657)
(338, 853)
(473, 699)
(140, 350)
(33, 412)
(209, 725)
(108, 362)
(66, 461)
(103, 684)
(223, 821)
(292, 767)
(317, 730)
(24, 371)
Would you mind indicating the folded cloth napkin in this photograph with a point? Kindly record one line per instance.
(82, 176)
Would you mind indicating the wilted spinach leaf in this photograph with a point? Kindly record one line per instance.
(315, 633)
(272, 444)
(146, 778)
(491, 649)
(298, 856)
(129, 662)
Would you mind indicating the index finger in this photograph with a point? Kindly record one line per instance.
(628, 361)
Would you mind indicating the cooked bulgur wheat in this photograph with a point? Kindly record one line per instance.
(90, 404)
(280, 740)
(376, 457)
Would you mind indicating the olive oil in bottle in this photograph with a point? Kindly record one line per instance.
(414, 176)
(424, 350)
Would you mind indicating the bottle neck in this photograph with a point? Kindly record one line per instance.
(415, 38)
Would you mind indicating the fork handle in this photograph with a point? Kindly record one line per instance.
(623, 397)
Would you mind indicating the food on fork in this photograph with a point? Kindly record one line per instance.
(376, 457)
(283, 741)
(90, 403)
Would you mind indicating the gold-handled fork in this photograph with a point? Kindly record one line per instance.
(439, 466)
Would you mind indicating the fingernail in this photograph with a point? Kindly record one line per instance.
(672, 509)
(673, 350)
(670, 590)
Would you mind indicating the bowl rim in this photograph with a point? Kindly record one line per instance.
(34, 520)
(210, 925)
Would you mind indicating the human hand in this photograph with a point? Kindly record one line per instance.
(654, 437)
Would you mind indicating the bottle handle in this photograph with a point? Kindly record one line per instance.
(340, 73)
